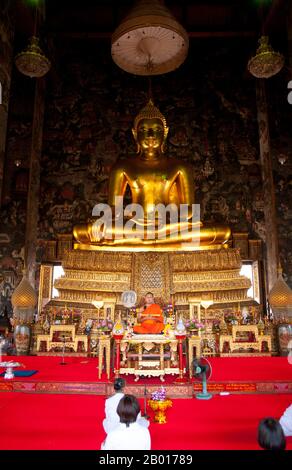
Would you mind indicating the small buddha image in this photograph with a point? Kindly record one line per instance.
(180, 140)
(150, 318)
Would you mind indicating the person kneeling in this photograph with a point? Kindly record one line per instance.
(112, 419)
(128, 434)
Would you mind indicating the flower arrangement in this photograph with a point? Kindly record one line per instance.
(194, 324)
(104, 325)
(159, 395)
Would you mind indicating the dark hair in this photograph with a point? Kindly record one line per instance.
(128, 409)
(271, 435)
(119, 384)
(149, 293)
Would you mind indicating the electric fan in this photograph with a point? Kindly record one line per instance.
(202, 371)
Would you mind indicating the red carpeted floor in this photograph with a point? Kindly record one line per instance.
(31, 421)
(84, 369)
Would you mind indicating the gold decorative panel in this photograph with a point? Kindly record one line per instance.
(64, 245)
(151, 272)
(45, 288)
(51, 250)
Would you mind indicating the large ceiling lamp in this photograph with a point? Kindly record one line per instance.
(149, 41)
(32, 61)
(266, 62)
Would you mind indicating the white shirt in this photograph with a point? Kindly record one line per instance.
(286, 421)
(133, 437)
(112, 418)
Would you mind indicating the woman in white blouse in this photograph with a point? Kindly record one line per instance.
(112, 419)
(128, 434)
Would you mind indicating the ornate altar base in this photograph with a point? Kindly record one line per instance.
(80, 376)
(106, 274)
(183, 278)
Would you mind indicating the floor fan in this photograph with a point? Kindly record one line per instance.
(202, 371)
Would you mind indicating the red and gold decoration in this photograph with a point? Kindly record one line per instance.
(118, 334)
(159, 404)
(180, 334)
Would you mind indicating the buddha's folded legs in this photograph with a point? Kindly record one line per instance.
(192, 233)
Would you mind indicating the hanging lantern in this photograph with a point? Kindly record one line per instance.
(32, 61)
(266, 62)
(24, 296)
(149, 41)
(24, 300)
(280, 297)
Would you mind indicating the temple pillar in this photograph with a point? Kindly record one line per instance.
(34, 180)
(6, 50)
(268, 185)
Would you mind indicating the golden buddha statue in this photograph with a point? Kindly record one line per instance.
(154, 181)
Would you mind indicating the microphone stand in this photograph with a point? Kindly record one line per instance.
(63, 363)
(145, 415)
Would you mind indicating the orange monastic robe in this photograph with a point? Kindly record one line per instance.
(149, 326)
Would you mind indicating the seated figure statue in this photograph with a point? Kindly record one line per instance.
(150, 318)
(153, 180)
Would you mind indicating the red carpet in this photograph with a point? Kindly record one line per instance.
(84, 369)
(34, 421)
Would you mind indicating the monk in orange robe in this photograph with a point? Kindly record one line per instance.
(151, 317)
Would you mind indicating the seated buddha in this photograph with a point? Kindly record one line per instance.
(153, 181)
(150, 319)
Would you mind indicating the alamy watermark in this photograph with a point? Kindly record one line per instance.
(159, 222)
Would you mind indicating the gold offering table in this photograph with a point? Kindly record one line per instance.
(60, 333)
(149, 356)
(256, 343)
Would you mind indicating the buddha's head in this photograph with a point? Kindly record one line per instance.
(150, 130)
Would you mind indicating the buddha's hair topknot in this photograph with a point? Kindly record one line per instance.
(150, 111)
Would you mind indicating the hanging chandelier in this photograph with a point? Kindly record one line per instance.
(149, 41)
(266, 62)
(32, 61)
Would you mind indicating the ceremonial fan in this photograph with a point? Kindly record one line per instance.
(202, 371)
